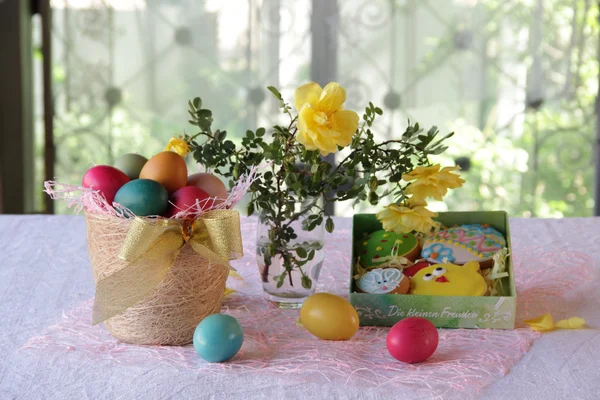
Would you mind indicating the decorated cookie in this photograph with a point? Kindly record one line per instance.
(416, 267)
(383, 280)
(464, 243)
(385, 248)
(449, 280)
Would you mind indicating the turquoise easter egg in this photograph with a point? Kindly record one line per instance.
(143, 197)
(218, 338)
(131, 164)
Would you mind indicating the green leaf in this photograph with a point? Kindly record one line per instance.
(301, 252)
(260, 132)
(250, 208)
(439, 150)
(220, 136)
(329, 225)
(373, 183)
(306, 282)
(203, 113)
(197, 102)
(275, 92)
(204, 124)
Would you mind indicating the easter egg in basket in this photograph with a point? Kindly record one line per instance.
(131, 164)
(106, 179)
(210, 184)
(167, 168)
(143, 197)
(186, 199)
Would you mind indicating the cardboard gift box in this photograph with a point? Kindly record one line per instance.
(495, 312)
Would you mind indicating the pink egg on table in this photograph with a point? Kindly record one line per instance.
(211, 184)
(186, 197)
(108, 180)
(412, 340)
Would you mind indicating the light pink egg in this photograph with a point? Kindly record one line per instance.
(210, 184)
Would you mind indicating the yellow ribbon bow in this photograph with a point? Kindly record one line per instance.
(150, 248)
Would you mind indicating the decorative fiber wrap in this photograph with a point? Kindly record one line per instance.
(159, 295)
(157, 278)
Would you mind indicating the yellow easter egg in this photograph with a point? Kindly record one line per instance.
(329, 317)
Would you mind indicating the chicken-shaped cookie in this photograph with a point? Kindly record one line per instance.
(449, 280)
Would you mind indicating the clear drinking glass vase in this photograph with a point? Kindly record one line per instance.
(289, 267)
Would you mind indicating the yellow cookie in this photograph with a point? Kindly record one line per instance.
(449, 280)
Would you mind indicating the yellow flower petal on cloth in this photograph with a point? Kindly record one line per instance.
(542, 323)
(229, 291)
(571, 323)
(545, 323)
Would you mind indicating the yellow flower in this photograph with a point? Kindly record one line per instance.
(323, 124)
(178, 145)
(403, 219)
(432, 182)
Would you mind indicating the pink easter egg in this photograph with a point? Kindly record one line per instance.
(412, 340)
(186, 197)
(211, 184)
(106, 179)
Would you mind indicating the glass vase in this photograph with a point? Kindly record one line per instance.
(289, 266)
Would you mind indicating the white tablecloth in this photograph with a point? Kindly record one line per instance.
(44, 270)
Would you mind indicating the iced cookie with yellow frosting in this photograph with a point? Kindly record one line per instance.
(449, 280)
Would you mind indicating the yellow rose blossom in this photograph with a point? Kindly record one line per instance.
(178, 145)
(432, 182)
(403, 219)
(323, 124)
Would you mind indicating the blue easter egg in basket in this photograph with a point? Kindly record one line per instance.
(218, 337)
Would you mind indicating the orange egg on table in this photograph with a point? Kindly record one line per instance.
(168, 169)
(210, 184)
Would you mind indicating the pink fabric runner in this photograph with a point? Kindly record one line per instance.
(466, 360)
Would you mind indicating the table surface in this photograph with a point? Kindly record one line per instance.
(44, 271)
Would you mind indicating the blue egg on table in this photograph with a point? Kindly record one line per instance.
(218, 338)
(143, 197)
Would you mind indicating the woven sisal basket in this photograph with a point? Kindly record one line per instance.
(192, 290)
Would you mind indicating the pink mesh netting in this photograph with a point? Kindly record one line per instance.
(466, 360)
